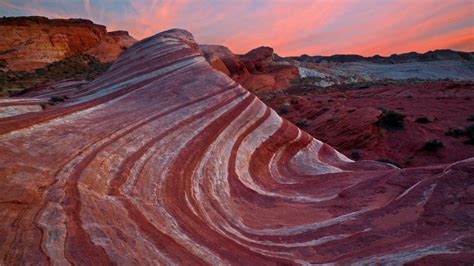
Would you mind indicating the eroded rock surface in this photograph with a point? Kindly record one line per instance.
(164, 160)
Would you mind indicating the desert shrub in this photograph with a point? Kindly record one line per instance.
(294, 81)
(470, 135)
(423, 120)
(459, 132)
(433, 145)
(325, 109)
(284, 109)
(356, 155)
(392, 162)
(456, 132)
(391, 120)
(57, 99)
(302, 123)
(471, 118)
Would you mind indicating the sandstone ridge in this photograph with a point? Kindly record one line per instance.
(165, 160)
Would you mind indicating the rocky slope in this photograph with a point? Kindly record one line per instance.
(28, 43)
(347, 117)
(164, 160)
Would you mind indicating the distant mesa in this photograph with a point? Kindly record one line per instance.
(436, 55)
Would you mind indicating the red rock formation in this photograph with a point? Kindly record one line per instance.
(164, 160)
(114, 43)
(222, 59)
(28, 43)
(256, 70)
(259, 57)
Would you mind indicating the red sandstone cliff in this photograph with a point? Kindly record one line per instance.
(28, 43)
(256, 70)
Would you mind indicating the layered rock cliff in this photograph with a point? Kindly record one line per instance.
(28, 43)
(164, 160)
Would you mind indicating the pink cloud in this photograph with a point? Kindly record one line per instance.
(291, 27)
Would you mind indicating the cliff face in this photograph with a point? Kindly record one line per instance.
(28, 43)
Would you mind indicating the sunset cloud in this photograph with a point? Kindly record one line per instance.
(291, 27)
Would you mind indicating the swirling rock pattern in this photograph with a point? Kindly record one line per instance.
(164, 160)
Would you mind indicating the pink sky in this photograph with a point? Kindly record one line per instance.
(291, 27)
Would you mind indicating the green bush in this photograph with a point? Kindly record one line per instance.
(470, 135)
(57, 99)
(460, 132)
(284, 109)
(391, 120)
(423, 120)
(302, 123)
(456, 132)
(356, 155)
(433, 145)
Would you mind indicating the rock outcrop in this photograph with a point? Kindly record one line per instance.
(28, 43)
(256, 70)
(164, 160)
(222, 59)
(259, 58)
